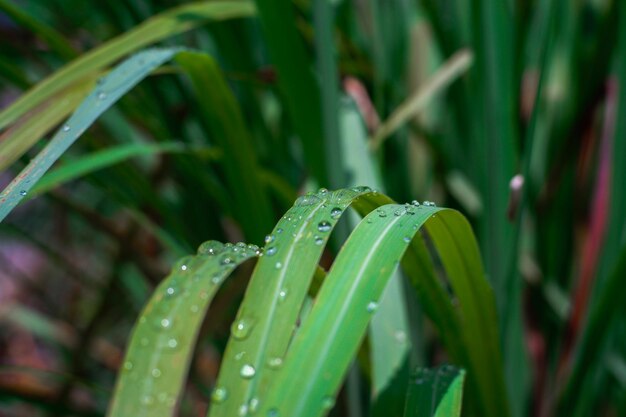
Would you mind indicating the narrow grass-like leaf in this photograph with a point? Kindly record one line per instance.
(459, 255)
(274, 297)
(391, 319)
(296, 81)
(223, 115)
(435, 392)
(322, 349)
(110, 89)
(605, 311)
(323, 19)
(163, 340)
(167, 24)
(54, 39)
(99, 160)
(21, 136)
(456, 66)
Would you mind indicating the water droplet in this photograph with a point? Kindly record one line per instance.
(172, 343)
(323, 226)
(271, 251)
(336, 213)
(147, 400)
(194, 308)
(322, 191)
(243, 410)
(204, 295)
(328, 402)
(128, 366)
(381, 212)
(219, 395)
(102, 95)
(407, 239)
(409, 209)
(429, 203)
(254, 405)
(372, 306)
(183, 267)
(23, 193)
(240, 355)
(273, 413)
(156, 372)
(170, 291)
(240, 329)
(212, 247)
(282, 294)
(415, 203)
(165, 323)
(226, 260)
(318, 240)
(398, 213)
(216, 279)
(66, 128)
(275, 363)
(400, 336)
(278, 265)
(247, 371)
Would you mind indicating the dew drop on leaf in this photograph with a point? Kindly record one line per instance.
(247, 371)
(336, 213)
(323, 226)
(318, 240)
(212, 247)
(23, 193)
(240, 329)
(271, 251)
(328, 402)
(372, 306)
(275, 363)
(66, 128)
(219, 395)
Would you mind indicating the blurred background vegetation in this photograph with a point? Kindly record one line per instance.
(511, 111)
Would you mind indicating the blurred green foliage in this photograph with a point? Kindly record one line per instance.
(527, 138)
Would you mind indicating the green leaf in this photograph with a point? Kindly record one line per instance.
(21, 136)
(92, 162)
(221, 111)
(109, 90)
(391, 318)
(274, 298)
(435, 392)
(162, 343)
(159, 27)
(322, 349)
(54, 39)
(296, 81)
